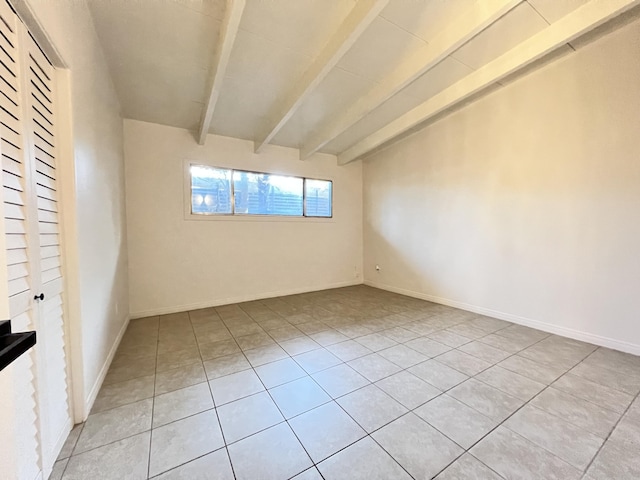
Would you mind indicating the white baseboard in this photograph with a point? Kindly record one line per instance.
(91, 398)
(244, 298)
(528, 322)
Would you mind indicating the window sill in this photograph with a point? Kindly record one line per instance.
(257, 218)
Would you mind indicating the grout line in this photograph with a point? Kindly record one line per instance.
(153, 400)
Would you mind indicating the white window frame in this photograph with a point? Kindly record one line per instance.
(245, 217)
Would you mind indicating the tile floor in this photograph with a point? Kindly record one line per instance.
(356, 383)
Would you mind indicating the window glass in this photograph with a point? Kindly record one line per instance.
(224, 191)
(317, 195)
(267, 194)
(210, 190)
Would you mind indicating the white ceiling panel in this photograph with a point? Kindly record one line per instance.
(385, 113)
(171, 85)
(381, 48)
(424, 18)
(258, 75)
(554, 10)
(240, 110)
(338, 89)
(159, 57)
(303, 25)
(516, 26)
(254, 59)
(446, 73)
(169, 35)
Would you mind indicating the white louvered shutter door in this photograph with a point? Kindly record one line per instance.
(39, 121)
(15, 204)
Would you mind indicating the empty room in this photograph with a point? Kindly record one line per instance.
(320, 239)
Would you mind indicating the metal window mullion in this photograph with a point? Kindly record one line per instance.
(233, 193)
(304, 197)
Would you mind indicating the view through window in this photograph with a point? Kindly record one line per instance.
(223, 191)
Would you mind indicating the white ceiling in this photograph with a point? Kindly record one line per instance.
(160, 54)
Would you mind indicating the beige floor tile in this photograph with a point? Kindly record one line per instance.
(374, 367)
(70, 442)
(178, 378)
(126, 459)
(371, 407)
(418, 447)
(316, 360)
(263, 355)
(437, 374)
(299, 396)
(364, 460)
(279, 372)
(183, 441)
(512, 456)
(182, 403)
(221, 366)
(122, 393)
(510, 382)
(325, 430)
(235, 386)
(296, 346)
(209, 351)
(58, 469)
(408, 389)
(348, 350)
(487, 400)
(402, 356)
(247, 416)
(460, 423)
(581, 413)
(468, 467)
(340, 380)
(568, 442)
(593, 392)
(485, 352)
(115, 424)
(272, 454)
(214, 466)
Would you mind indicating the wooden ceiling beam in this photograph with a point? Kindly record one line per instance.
(580, 21)
(228, 33)
(470, 23)
(354, 25)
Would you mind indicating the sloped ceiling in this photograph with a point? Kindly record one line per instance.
(162, 56)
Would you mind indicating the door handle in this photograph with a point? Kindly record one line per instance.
(39, 297)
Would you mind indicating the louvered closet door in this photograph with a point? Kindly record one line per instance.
(31, 218)
(15, 199)
(39, 120)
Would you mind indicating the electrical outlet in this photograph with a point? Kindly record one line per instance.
(355, 271)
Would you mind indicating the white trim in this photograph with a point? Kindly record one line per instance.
(528, 322)
(239, 299)
(91, 398)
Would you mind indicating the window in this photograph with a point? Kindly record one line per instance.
(223, 191)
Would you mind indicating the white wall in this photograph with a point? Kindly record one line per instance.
(177, 264)
(100, 269)
(526, 204)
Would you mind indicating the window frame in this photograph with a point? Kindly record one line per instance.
(190, 215)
